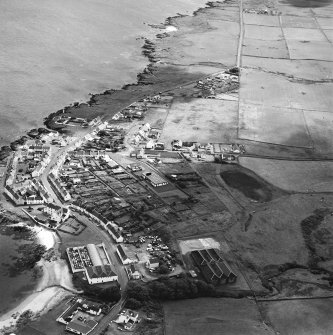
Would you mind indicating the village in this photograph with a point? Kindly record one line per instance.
(126, 180)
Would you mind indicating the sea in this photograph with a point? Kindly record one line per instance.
(55, 52)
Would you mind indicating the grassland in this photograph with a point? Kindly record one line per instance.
(285, 92)
(306, 317)
(214, 316)
(293, 175)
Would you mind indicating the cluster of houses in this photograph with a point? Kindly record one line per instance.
(127, 318)
(27, 163)
(80, 317)
(202, 151)
(32, 193)
(58, 187)
(134, 111)
(221, 82)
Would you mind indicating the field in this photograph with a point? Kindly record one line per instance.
(214, 317)
(293, 175)
(285, 92)
(201, 120)
(300, 317)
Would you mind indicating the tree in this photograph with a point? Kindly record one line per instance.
(133, 303)
(138, 291)
(111, 294)
(163, 269)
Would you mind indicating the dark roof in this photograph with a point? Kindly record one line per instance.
(154, 260)
(113, 231)
(12, 192)
(100, 271)
(53, 206)
(80, 327)
(211, 264)
(122, 252)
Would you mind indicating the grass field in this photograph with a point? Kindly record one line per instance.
(285, 89)
(201, 120)
(275, 236)
(301, 317)
(214, 317)
(293, 175)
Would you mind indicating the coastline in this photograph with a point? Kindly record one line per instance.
(53, 286)
(144, 78)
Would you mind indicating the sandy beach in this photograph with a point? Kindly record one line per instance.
(54, 285)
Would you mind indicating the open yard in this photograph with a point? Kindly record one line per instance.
(214, 316)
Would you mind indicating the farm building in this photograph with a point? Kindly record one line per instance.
(213, 267)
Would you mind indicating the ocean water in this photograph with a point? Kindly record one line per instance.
(54, 52)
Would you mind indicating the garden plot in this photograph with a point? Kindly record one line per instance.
(201, 120)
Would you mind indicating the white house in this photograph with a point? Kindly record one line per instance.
(133, 273)
(122, 255)
(56, 212)
(153, 263)
(114, 233)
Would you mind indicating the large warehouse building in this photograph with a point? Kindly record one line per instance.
(94, 261)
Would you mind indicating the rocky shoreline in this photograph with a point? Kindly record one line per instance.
(152, 79)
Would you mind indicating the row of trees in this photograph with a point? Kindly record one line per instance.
(140, 294)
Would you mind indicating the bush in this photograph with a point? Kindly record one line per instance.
(133, 303)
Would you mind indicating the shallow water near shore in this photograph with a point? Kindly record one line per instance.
(55, 52)
(13, 289)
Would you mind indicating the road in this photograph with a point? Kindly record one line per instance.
(119, 269)
(103, 235)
